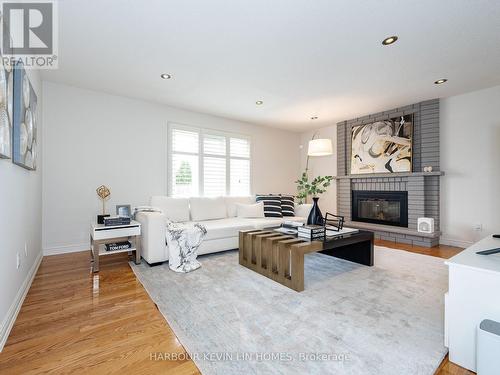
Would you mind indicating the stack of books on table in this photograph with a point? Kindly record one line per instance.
(118, 246)
(116, 220)
(290, 224)
(312, 232)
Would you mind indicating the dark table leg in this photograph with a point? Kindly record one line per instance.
(360, 252)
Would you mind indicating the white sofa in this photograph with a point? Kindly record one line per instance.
(218, 215)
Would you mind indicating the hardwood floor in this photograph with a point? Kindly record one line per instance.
(64, 326)
(441, 251)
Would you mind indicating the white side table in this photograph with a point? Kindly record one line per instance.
(102, 235)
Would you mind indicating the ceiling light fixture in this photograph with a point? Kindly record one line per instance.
(440, 81)
(259, 102)
(166, 76)
(389, 40)
(314, 118)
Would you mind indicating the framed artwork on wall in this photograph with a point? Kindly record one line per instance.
(123, 210)
(24, 140)
(6, 93)
(382, 146)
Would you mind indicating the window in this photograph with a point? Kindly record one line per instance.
(207, 163)
(239, 166)
(184, 163)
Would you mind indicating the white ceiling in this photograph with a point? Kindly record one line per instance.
(302, 58)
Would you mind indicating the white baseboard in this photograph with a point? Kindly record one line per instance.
(54, 250)
(11, 317)
(455, 242)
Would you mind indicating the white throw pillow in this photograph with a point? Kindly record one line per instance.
(303, 210)
(250, 210)
(207, 208)
(231, 203)
(175, 209)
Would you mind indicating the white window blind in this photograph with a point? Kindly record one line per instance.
(214, 165)
(184, 169)
(239, 150)
(208, 163)
(185, 175)
(240, 177)
(185, 141)
(214, 176)
(214, 144)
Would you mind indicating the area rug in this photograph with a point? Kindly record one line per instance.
(350, 319)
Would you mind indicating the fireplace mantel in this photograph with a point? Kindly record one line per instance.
(390, 175)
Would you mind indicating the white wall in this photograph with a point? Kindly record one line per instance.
(470, 157)
(20, 224)
(92, 138)
(322, 166)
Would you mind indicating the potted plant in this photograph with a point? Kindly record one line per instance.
(317, 186)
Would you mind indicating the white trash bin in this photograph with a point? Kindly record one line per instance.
(488, 348)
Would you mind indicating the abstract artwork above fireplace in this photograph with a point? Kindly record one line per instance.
(382, 146)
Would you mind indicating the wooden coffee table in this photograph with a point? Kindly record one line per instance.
(280, 257)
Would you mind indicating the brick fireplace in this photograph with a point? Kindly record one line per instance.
(421, 189)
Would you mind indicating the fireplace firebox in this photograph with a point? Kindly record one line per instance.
(380, 207)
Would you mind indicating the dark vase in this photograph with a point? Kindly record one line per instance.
(315, 217)
(100, 218)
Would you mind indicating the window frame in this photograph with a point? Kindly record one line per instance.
(202, 131)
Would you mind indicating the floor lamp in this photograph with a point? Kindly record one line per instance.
(318, 147)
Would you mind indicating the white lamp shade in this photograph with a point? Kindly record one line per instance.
(320, 147)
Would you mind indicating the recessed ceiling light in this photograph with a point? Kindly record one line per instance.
(314, 118)
(259, 102)
(389, 40)
(166, 76)
(440, 81)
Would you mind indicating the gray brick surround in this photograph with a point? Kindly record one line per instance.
(422, 188)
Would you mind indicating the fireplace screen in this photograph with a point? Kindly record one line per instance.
(380, 207)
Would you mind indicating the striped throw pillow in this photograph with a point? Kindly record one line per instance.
(272, 205)
(287, 205)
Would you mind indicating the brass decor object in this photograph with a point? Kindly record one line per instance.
(103, 192)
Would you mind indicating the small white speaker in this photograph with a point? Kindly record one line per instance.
(487, 348)
(425, 224)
